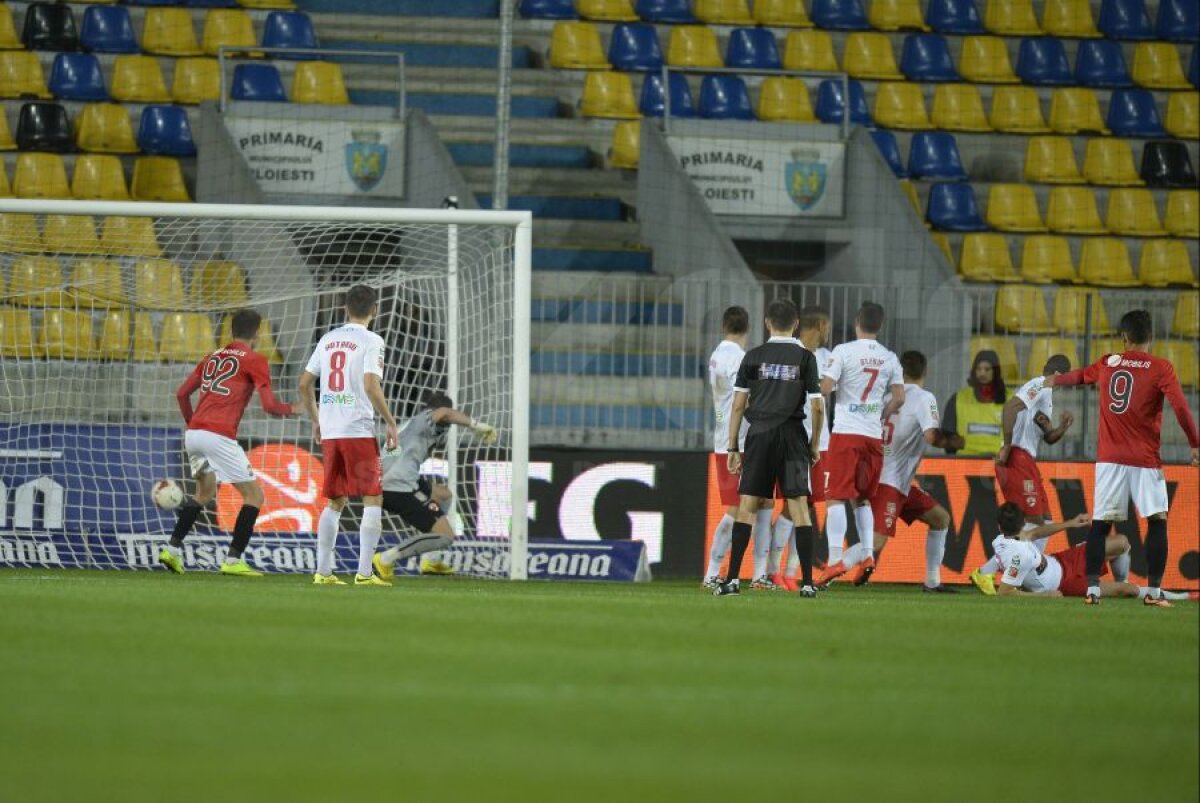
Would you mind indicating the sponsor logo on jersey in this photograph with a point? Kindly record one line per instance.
(875, 408)
(783, 373)
(1113, 360)
(347, 399)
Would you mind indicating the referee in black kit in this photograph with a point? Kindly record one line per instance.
(775, 381)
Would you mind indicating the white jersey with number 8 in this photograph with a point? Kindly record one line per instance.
(342, 359)
(863, 372)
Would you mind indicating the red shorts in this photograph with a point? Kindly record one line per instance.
(818, 477)
(889, 504)
(352, 467)
(1074, 566)
(852, 466)
(727, 484)
(1021, 483)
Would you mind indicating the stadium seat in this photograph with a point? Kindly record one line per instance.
(158, 284)
(5, 192)
(986, 258)
(1017, 110)
(926, 57)
(40, 175)
(21, 75)
(145, 345)
(70, 234)
(169, 32)
(65, 334)
(158, 178)
(1072, 210)
(693, 46)
(99, 177)
(910, 192)
(781, 13)
(1046, 258)
(959, 17)
(1183, 115)
(164, 131)
(1011, 18)
(1071, 312)
(626, 150)
(129, 237)
(196, 80)
(1101, 63)
(1005, 349)
(839, 15)
(228, 27)
(35, 281)
(259, 82)
(653, 100)
(896, 15)
(1166, 163)
(1022, 308)
(1043, 348)
(322, 82)
(281, 5)
(1051, 160)
(7, 143)
(1075, 110)
(722, 12)
(752, 49)
(1125, 19)
(958, 107)
(1194, 67)
(105, 128)
(113, 340)
(77, 76)
(1043, 62)
(107, 29)
(605, 10)
(634, 46)
(1164, 263)
(885, 142)
(608, 94)
(292, 29)
(186, 337)
(219, 284)
(1186, 320)
(19, 234)
(1156, 65)
(1104, 262)
(984, 60)
(1133, 213)
(138, 79)
(8, 31)
(831, 104)
(809, 51)
(50, 26)
(668, 11)
(266, 339)
(1069, 18)
(785, 100)
(1014, 207)
(1182, 355)
(901, 105)
(1109, 162)
(1183, 213)
(725, 97)
(96, 282)
(869, 56)
(44, 127)
(16, 332)
(1178, 21)
(942, 241)
(952, 207)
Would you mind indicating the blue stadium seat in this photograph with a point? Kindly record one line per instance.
(665, 10)
(107, 29)
(77, 76)
(210, 3)
(653, 101)
(934, 155)
(635, 46)
(1178, 20)
(164, 131)
(152, 2)
(49, 27)
(1132, 113)
(1043, 62)
(954, 16)
(752, 49)
(839, 15)
(289, 29)
(725, 97)
(257, 82)
(1125, 19)
(1194, 67)
(926, 57)
(830, 102)
(1101, 63)
(549, 9)
(952, 207)
(890, 151)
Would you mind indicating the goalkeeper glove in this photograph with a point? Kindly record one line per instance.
(485, 432)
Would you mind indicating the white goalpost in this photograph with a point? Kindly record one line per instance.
(106, 307)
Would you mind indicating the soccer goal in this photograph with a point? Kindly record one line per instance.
(106, 308)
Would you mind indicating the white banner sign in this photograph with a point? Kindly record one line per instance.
(765, 177)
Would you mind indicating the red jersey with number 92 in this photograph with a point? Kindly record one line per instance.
(227, 379)
(1132, 388)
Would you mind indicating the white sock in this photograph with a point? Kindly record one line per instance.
(175, 550)
(327, 530)
(991, 567)
(722, 536)
(762, 542)
(231, 561)
(368, 538)
(835, 530)
(865, 519)
(1094, 591)
(935, 550)
(854, 556)
(1120, 567)
(781, 539)
(1154, 592)
(417, 545)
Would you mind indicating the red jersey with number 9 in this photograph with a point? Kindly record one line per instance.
(227, 379)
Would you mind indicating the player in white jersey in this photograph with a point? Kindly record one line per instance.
(348, 362)
(863, 372)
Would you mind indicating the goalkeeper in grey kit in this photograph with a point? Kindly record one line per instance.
(410, 496)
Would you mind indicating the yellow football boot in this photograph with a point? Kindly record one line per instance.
(239, 569)
(436, 567)
(359, 580)
(384, 570)
(327, 580)
(169, 561)
(984, 583)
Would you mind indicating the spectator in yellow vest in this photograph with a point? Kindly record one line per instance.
(971, 418)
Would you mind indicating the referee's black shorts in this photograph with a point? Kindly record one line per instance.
(776, 457)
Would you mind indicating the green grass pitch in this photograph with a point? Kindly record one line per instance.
(148, 687)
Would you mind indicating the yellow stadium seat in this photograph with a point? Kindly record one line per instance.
(1102, 346)
(1014, 207)
(1046, 258)
(35, 281)
(99, 177)
(169, 31)
(626, 145)
(1069, 18)
(958, 107)
(870, 56)
(1133, 213)
(986, 258)
(693, 46)
(158, 284)
(229, 27)
(40, 175)
(16, 332)
(896, 15)
(8, 33)
(984, 60)
(21, 75)
(266, 339)
(1075, 110)
(19, 234)
(1043, 348)
(5, 187)
(943, 243)
(1110, 162)
(278, 5)
(129, 236)
(113, 342)
(1006, 351)
(6, 140)
(1017, 110)
(901, 105)
(1156, 65)
(1022, 308)
(1183, 213)
(576, 46)
(145, 346)
(1165, 262)
(104, 128)
(1183, 115)
(1072, 210)
(319, 82)
(66, 335)
(1182, 355)
(219, 284)
(159, 178)
(910, 192)
(1186, 321)
(810, 50)
(782, 13)
(1011, 18)
(1104, 262)
(1051, 160)
(785, 99)
(608, 94)
(186, 337)
(196, 80)
(138, 79)
(607, 10)
(70, 234)
(722, 12)
(96, 282)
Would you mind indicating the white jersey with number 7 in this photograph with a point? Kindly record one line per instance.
(862, 371)
(342, 359)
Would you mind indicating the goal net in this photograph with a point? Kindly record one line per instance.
(107, 307)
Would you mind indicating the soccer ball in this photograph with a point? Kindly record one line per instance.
(167, 494)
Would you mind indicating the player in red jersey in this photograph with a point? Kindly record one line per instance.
(1132, 387)
(226, 380)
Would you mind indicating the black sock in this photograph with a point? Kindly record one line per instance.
(741, 540)
(1095, 550)
(242, 530)
(804, 550)
(1156, 552)
(189, 511)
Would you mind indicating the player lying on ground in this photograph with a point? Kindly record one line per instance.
(226, 379)
(410, 496)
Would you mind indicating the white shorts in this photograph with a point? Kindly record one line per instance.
(210, 452)
(1117, 484)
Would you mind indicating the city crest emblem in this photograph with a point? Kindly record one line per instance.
(805, 175)
(366, 159)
